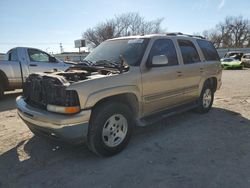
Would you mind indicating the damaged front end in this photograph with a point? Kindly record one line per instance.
(49, 92)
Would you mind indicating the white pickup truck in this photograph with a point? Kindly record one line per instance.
(20, 62)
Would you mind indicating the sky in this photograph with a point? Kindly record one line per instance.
(45, 24)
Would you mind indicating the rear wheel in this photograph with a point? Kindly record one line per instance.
(111, 127)
(206, 99)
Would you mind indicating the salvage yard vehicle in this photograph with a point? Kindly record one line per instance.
(20, 62)
(234, 54)
(246, 60)
(231, 63)
(124, 82)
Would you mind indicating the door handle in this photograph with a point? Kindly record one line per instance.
(33, 65)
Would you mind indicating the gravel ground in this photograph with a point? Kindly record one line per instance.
(185, 150)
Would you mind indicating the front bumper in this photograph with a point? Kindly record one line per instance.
(226, 66)
(73, 128)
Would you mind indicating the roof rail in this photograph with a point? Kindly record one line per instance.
(181, 34)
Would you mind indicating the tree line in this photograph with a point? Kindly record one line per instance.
(122, 25)
(233, 32)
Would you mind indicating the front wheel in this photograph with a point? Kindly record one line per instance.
(206, 99)
(110, 129)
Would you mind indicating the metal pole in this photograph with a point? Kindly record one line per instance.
(79, 53)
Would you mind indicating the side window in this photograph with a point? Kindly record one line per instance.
(189, 52)
(36, 55)
(164, 47)
(208, 50)
(13, 55)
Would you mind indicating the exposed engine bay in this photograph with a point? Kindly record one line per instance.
(41, 89)
(79, 73)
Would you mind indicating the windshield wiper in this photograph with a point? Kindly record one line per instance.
(86, 62)
(106, 63)
(122, 65)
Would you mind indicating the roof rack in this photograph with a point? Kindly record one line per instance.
(181, 34)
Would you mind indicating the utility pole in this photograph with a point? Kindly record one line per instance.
(61, 48)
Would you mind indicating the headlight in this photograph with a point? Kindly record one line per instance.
(66, 102)
(63, 109)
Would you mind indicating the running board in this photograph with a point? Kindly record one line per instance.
(156, 117)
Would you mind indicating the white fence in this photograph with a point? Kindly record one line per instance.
(223, 51)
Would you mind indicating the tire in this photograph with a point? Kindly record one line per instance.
(1, 91)
(206, 99)
(111, 126)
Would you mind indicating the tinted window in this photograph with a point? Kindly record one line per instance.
(208, 50)
(36, 55)
(189, 52)
(13, 55)
(164, 47)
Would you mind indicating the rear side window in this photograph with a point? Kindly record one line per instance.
(208, 50)
(189, 52)
(164, 47)
(13, 55)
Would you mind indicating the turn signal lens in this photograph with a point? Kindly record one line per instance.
(72, 110)
(63, 109)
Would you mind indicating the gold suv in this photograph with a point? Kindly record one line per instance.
(124, 82)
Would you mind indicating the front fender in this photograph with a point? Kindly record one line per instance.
(95, 97)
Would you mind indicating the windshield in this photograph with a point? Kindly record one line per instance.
(131, 49)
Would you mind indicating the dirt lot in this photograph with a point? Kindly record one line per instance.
(186, 150)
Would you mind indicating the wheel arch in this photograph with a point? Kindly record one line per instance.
(4, 79)
(211, 81)
(129, 99)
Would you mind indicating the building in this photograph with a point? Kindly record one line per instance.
(2, 56)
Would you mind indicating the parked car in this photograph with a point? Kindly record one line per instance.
(126, 81)
(231, 63)
(246, 60)
(234, 54)
(20, 62)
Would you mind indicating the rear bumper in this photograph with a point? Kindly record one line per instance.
(73, 128)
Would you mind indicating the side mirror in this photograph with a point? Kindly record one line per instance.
(159, 60)
(52, 59)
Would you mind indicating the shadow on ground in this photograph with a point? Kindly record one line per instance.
(186, 150)
(8, 102)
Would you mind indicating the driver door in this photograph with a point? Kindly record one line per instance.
(162, 84)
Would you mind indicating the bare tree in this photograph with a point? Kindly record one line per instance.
(233, 32)
(122, 25)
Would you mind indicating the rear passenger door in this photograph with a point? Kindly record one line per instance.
(191, 69)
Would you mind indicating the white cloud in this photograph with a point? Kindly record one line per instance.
(222, 4)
